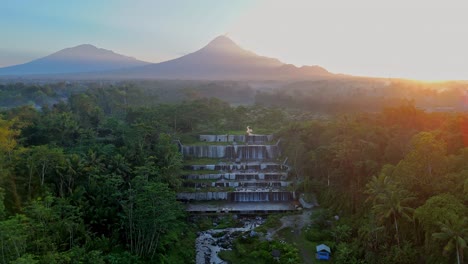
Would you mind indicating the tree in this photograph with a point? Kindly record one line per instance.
(13, 238)
(102, 203)
(2, 205)
(88, 114)
(465, 189)
(7, 137)
(8, 147)
(455, 232)
(347, 253)
(45, 161)
(151, 212)
(439, 209)
(377, 187)
(423, 167)
(389, 201)
(341, 233)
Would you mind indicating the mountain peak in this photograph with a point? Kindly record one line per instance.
(223, 44)
(84, 46)
(77, 59)
(221, 40)
(83, 49)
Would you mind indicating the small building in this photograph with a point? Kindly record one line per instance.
(323, 252)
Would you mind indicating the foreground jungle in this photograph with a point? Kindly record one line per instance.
(89, 171)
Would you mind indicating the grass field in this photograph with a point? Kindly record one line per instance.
(298, 239)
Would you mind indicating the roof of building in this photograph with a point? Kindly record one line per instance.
(323, 247)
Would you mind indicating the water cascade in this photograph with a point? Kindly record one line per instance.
(232, 152)
(245, 166)
(244, 197)
(248, 179)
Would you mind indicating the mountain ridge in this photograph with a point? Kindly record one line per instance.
(223, 59)
(77, 59)
(220, 59)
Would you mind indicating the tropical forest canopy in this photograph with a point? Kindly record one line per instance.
(89, 171)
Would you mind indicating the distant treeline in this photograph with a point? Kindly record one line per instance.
(348, 95)
(17, 94)
(137, 93)
(331, 96)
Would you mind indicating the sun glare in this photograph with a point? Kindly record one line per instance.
(421, 40)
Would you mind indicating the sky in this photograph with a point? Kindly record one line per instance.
(425, 40)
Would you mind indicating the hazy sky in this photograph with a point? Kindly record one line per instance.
(398, 38)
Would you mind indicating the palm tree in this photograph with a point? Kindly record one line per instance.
(455, 232)
(389, 201)
(377, 186)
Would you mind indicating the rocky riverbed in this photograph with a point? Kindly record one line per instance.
(210, 242)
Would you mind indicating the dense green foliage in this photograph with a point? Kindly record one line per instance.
(92, 179)
(141, 93)
(91, 176)
(396, 180)
(17, 94)
(251, 250)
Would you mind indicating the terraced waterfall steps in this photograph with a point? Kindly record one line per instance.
(244, 177)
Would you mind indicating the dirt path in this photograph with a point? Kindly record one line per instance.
(307, 254)
(296, 223)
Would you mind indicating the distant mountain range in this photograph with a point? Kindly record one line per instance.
(221, 59)
(80, 59)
